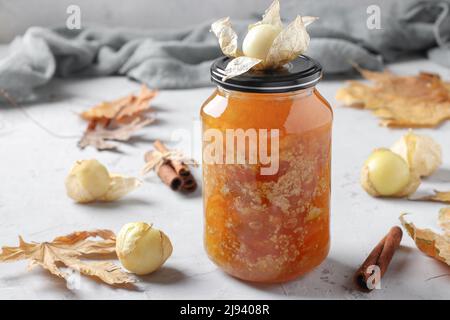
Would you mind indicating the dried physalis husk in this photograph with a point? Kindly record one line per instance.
(288, 45)
(387, 174)
(270, 17)
(228, 39)
(237, 66)
(422, 153)
(119, 187)
(429, 242)
(396, 172)
(89, 181)
(267, 45)
(438, 196)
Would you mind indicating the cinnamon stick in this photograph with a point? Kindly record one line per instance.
(166, 173)
(180, 168)
(189, 184)
(380, 256)
(173, 173)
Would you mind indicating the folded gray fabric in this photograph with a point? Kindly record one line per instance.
(405, 27)
(181, 58)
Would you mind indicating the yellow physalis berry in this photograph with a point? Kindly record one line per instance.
(141, 248)
(258, 40)
(387, 174)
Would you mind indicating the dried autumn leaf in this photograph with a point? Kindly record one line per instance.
(435, 245)
(122, 109)
(139, 106)
(116, 120)
(438, 197)
(401, 101)
(98, 136)
(68, 251)
(106, 110)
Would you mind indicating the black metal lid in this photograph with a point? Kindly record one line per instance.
(300, 73)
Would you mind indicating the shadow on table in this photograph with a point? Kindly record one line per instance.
(138, 139)
(197, 193)
(165, 275)
(442, 175)
(50, 283)
(331, 280)
(125, 202)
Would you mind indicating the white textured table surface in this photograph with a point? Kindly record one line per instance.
(33, 165)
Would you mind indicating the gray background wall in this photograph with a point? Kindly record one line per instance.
(17, 15)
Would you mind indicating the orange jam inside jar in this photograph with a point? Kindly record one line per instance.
(266, 172)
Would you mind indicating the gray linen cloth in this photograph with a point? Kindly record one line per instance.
(181, 58)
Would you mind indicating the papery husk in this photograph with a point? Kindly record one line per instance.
(119, 187)
(129, 235)
(411, 187)
(287, 46)
(133, 239)
(429, 242)
(271, 16)
(76, 191)
(85, 194)
(307, 20)
(366, 183)
(422, 153)
(438, 196)
(239, 66)
(228, 39)
(113, 186)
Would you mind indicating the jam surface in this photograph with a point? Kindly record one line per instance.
(269, 228)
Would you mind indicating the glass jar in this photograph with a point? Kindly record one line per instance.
(266, 172)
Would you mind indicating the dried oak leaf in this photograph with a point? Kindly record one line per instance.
(400, 101)
(67, 251)
(98, 135)
(123, 109)
(438, 196)
(433, 244)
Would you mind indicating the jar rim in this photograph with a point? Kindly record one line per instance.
(303, 72)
